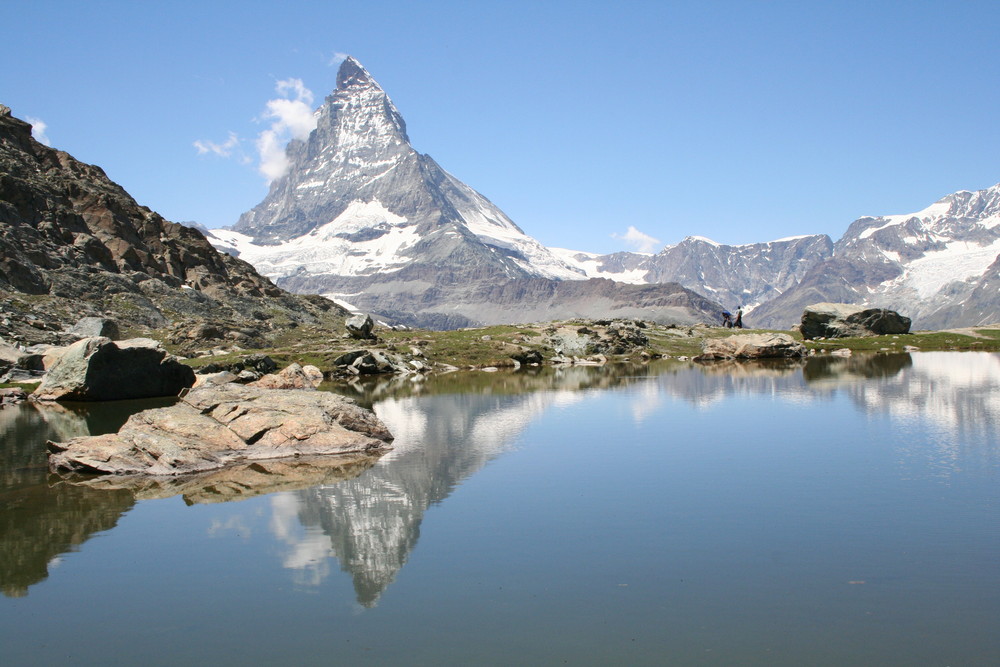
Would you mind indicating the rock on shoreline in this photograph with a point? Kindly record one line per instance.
(215, 427)
(752, 346)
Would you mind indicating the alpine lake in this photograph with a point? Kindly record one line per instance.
(833, 511)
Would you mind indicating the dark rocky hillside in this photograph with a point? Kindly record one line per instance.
(73, 244)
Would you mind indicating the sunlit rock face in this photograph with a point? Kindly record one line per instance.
(363, 217)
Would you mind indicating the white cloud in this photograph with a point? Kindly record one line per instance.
(38, 128)
(291, 117)
(336, 59)
(639, 241)
(222, 150)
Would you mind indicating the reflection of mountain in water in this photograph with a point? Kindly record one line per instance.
(370, 524)
(41, 517)
(373, 522)
(446, 430)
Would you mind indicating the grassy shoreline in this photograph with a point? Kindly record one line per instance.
(493, 346)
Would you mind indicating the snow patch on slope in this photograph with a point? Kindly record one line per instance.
(590, 265)
(960, 260)
(365, 238)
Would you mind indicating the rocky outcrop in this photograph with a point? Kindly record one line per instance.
(215, 427)
(92, 327)
(293, 376)
(371, 362)
(751, 346)
(98, 369)
(842, 320)
(83, 247)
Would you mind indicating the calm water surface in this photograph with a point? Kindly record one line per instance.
(842, 512)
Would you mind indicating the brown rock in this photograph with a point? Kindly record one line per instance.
(292, 377)
(220, 426)
(751, 346)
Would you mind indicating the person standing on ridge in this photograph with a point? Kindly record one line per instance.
(739, 318)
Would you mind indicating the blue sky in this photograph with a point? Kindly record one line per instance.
(739, 121)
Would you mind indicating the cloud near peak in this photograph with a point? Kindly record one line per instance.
(638, 240)
(291, 117)
(38, 128)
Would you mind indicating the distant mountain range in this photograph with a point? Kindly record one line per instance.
(363, 218)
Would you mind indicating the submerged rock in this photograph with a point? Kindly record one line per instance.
(215, 427)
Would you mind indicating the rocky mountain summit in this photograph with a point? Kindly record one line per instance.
(362, 216)
(75, 244)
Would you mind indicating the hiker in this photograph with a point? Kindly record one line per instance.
(727, 319)
(739, 319)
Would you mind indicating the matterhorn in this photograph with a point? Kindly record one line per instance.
(363, 218)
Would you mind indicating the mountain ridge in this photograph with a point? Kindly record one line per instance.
(364, 218)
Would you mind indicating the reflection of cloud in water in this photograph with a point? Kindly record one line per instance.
(954, 394)
(648, 399)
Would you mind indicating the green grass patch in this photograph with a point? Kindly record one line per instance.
(26, 387)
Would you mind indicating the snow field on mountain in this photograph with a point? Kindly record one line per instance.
(325, 251)
(961, 260)
(590, 264)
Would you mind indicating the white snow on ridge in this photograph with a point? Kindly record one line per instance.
(492, 227)
(589, 264)
(936, 210)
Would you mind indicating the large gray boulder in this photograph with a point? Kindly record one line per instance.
(751, 346)
(215, 427)
(842, 320)
(98, 369)
(360, 327)
(92, 327)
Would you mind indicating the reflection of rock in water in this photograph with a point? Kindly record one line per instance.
(373, 522)
(41, 518)
(238, 482)
(40, 522)
(826, 367)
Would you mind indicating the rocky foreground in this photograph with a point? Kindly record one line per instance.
(216, 427)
